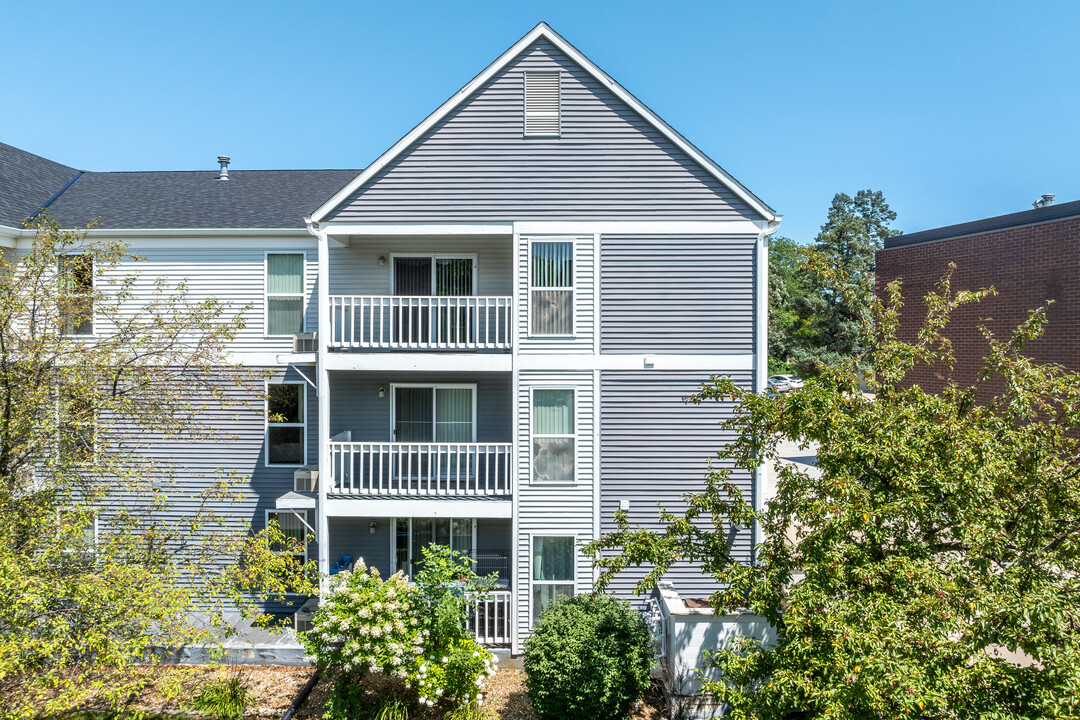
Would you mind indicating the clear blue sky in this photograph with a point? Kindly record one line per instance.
(955, 110)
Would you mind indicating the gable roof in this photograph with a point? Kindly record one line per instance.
(544, 31)
(27, 183)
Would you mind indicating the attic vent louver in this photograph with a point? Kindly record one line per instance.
(541, 103)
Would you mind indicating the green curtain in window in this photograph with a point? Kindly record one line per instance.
(284, 274)
(553, 412)
(553, 558)
(453, 415)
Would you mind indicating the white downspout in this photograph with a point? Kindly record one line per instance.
(761, 353)
(322, 378)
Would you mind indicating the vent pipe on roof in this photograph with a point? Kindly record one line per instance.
(1045, 201)
(224, 160)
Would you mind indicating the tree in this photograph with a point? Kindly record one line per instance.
(816, 325)
(97, 365)
(788, 287)
(932, 570)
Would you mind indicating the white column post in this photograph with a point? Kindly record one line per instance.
(761, 355)
(325, 332)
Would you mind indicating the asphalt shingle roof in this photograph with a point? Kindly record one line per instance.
(1001, 222)
(27, 181)
(162, 200)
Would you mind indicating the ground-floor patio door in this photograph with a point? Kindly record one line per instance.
(412, 535)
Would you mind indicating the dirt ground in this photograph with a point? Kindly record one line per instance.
(273, 688)
(504, 698)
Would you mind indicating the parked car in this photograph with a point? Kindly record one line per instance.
(779, 383)
(794, 382)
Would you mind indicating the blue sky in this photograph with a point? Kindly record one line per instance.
(955, 110)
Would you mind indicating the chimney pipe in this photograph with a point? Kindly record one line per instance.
(1045, 201)
(224, 160)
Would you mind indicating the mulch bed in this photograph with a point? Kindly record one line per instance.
(171, 687)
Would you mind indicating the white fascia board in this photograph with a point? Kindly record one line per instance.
(387, 508)
(433, 362)
(705, 363)
(543, 30)
(427, 229)
(8, 236)
(649, 227)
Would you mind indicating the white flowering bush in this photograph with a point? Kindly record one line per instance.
(365, 623)
(457, 676)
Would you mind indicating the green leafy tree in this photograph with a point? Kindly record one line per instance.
(817, 324)
(932, 569)
(788, 286)
(97, 366)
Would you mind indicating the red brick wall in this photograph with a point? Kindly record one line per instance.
(1026, 265)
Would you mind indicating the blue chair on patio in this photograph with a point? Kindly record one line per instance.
(343, 563)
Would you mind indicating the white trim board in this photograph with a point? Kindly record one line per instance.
(369, 507)
(425, 362)
(704, 363)
(542, 30)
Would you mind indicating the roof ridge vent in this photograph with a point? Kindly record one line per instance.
(224, 161)
(1045, 201)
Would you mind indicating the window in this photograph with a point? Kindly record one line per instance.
(542, 103)
(284, 293)
(413, 534)
(76, 298)
(551, 288)
(77, 426)
(552, 572)
(294, 527)
(434, 413)
(433, 276)
(553, 442)
(78, 530)
(285, 426)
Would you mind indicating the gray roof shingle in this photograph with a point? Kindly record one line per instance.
(197, 199)
(1000, 222)
(161, 200)
(27, 182)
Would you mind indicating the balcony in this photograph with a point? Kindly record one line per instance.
(426, 470)
(405, 323)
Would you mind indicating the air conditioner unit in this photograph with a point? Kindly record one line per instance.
(306, 479)
(306, 342)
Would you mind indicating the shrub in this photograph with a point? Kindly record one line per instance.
(589, 657)
(456, 665)
(365, 624)
(225, 698)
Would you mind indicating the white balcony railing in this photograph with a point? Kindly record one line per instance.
(420, 469)
(421, 323)
(489, 619)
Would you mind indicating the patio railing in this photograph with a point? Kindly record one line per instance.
(420, 469)
(421, 322)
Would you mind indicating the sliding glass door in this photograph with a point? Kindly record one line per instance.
(412, 535)
(423, 319)
(434, 414)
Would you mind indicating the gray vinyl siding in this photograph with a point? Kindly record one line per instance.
(584, 299)
(476, 164)
(355, 404)
(234, 274)
(654, 448)
(355, 270)
(557, 508)
(688, 294)
(233, 454)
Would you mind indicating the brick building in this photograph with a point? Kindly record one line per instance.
(1029, 257)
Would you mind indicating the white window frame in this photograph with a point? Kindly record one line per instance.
(267, 295)
(525, 104)
(393, 539)
(572, 288)
(434, 400)
(436, 256)
(532, 554)
(93, 284)
(267, 424)
(303, 521)
(574, 397)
